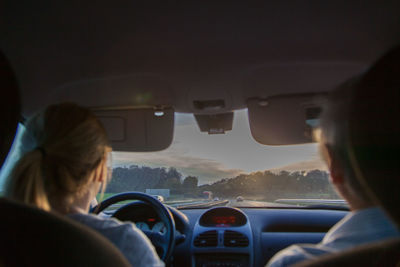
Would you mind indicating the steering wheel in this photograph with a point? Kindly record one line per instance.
(164, 243)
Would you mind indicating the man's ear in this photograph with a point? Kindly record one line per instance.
(334, 165)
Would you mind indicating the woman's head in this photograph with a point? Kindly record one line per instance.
(65, 146)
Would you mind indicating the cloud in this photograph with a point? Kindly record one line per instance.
(206, 170)
(184, 119)
(307, 165)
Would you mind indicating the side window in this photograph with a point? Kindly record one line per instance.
(12, 157)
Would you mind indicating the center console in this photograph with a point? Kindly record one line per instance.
(222, 237)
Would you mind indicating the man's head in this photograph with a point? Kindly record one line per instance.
(361, 135)
(374, 132)
(334, 123)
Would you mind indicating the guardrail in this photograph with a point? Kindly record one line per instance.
(204, 205)
(311, 201)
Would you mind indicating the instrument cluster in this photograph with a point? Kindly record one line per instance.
(151, 224)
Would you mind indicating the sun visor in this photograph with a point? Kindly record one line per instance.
(284, 120)
(215, 123)
(139, 129)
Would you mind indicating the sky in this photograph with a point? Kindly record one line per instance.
(213, 157)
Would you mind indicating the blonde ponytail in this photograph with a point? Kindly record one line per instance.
(27, 181)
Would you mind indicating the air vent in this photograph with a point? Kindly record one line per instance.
(235, 239)
(206, 239)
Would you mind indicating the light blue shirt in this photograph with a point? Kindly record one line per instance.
(356, 228)
(132, 242)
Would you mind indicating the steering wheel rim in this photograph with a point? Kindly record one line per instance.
(167, 241)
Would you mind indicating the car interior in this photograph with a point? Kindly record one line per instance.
(158, 74)
(32, 237)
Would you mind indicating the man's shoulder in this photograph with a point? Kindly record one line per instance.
(357, 228)
(297, 253)
(360, 227)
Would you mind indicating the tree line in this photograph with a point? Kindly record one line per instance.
(263, 185)
(140, 178)
(269, 186)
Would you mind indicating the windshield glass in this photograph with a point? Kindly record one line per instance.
(202, 170)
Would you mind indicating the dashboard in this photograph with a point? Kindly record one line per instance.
(142, 215)
(226, 236)
(222, 236)
(151, 225)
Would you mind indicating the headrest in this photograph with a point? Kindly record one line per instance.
(9, 107)
(374, 131)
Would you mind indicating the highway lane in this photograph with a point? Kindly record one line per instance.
(253, 204)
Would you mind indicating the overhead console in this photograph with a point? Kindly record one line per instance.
(222, 237)
(215, 123)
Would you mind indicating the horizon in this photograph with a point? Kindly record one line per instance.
(274, 171)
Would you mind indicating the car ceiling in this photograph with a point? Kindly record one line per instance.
(182, 51)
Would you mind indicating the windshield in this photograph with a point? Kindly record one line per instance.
(202, 170)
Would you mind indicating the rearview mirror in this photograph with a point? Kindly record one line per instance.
(215, 123)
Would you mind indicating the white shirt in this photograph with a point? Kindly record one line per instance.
(356, 228)
(132, 242)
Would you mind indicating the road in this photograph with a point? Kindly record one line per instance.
(203, 203)
(253, 204)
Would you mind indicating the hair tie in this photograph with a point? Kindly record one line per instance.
(42, 151)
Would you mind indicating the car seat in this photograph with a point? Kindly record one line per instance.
(32, 237)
